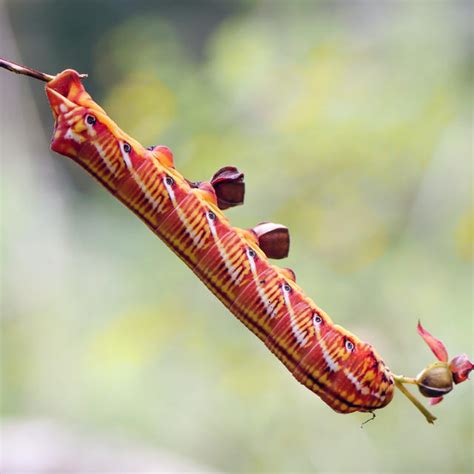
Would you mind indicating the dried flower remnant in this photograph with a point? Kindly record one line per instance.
(437, 379)
(461, 367)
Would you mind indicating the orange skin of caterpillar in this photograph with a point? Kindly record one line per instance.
(344, 371)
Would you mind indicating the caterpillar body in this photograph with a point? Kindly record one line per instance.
(344, 371)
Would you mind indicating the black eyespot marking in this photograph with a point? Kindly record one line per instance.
(169, 181)
(211, 215)
(349, 345)
(252, 253)
(287, 288)
(317, 319)
(127, 148)
(90, 119)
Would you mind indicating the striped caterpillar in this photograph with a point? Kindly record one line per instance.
(345, 372)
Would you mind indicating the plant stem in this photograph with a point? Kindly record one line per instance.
(26, 71)
(403, 379)
(399, 381)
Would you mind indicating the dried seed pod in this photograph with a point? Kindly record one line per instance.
(435, 381)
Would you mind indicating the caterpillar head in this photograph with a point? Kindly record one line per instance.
(85, 133)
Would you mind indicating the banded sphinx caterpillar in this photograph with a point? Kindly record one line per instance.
(344, 371)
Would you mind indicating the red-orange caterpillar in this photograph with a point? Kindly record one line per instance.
(344, 371)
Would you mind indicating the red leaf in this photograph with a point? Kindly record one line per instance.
(438, 348)
(461, 366)
(435, 401)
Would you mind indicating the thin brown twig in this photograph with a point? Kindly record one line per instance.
(26, 71)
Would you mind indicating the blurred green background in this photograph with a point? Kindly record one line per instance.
(353, 124)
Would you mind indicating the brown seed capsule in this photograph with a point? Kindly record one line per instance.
(435, 381)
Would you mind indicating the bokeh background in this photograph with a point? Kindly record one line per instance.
(353, 124)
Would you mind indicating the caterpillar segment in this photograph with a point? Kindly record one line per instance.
(344, 371)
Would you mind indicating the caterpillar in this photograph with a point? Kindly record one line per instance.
(344, 371)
